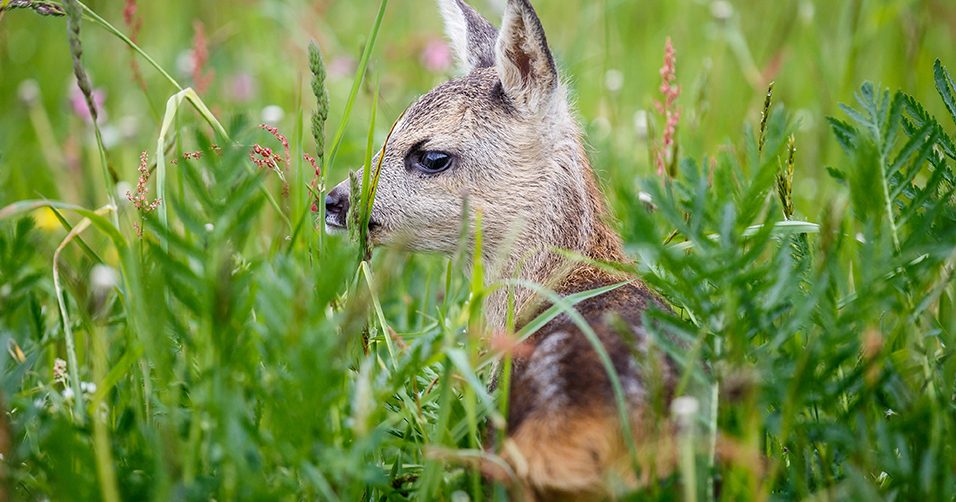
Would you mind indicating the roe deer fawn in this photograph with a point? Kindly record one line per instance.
(504, 137)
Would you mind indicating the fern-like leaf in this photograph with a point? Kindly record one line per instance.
(946, 87)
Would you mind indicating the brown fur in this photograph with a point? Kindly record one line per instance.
(520, 163)
(564, 421)
(580, 455)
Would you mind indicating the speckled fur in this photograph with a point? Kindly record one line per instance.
(521, 163)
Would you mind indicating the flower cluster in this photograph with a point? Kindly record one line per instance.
(140, 199)
(129, 18)
(200, 56)
(668, 109)
(263, 157)
(59, 371)
(314, 186)
(196, 155)
(281, 138)
(133, 25)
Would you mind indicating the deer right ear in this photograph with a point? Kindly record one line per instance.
(523, 60)
(472, 36)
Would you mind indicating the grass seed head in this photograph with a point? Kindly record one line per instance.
(41, 8)
(74, 16)
(785, 179)
(321, 114)
(764, 115)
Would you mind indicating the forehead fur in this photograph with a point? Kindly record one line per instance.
(479, 92)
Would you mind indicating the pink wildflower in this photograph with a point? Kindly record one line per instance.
(668, 109)
(139, 199)
(505, 343)
(200, 56)
(196, 155)
(436, 56)
(315, 179)
(274, 131)
(263, 157)
(133, 25)
(242, 87)
(78, 104)
(341, 67)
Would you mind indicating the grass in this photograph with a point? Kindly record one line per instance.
(235, 351)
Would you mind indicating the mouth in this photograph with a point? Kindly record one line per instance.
(334, 225)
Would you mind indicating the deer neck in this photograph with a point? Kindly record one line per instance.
(535, 256)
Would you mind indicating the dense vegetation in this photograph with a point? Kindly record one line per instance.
(206, 339)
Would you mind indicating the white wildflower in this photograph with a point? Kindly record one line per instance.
(614, 80)
(807, 11)
(28, 91)
(600, 127)
(103, 278)
(684, 407)
(722, 10)
(185, 62)
(121, 188)
(640, 124)
(59, 371)
(272, 114)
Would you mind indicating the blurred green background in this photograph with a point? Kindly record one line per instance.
(609, 50)
(222, 393)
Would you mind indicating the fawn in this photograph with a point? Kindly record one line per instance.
(503, 137)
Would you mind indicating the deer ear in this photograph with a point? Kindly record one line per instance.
(522, 57)
(472, 36)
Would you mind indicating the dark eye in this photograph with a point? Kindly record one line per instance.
(430, 162)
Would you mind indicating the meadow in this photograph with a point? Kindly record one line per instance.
(177, 325)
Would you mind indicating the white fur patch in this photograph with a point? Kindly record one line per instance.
(545, 369)
(456, 29)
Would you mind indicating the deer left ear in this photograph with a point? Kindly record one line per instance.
(472, 36)
(523, 59)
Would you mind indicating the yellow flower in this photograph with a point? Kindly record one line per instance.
(46, 219)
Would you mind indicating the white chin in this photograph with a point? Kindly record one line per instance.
(335, 229)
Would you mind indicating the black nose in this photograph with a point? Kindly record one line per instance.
(337, 203)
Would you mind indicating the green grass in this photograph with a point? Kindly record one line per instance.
(237, 352)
